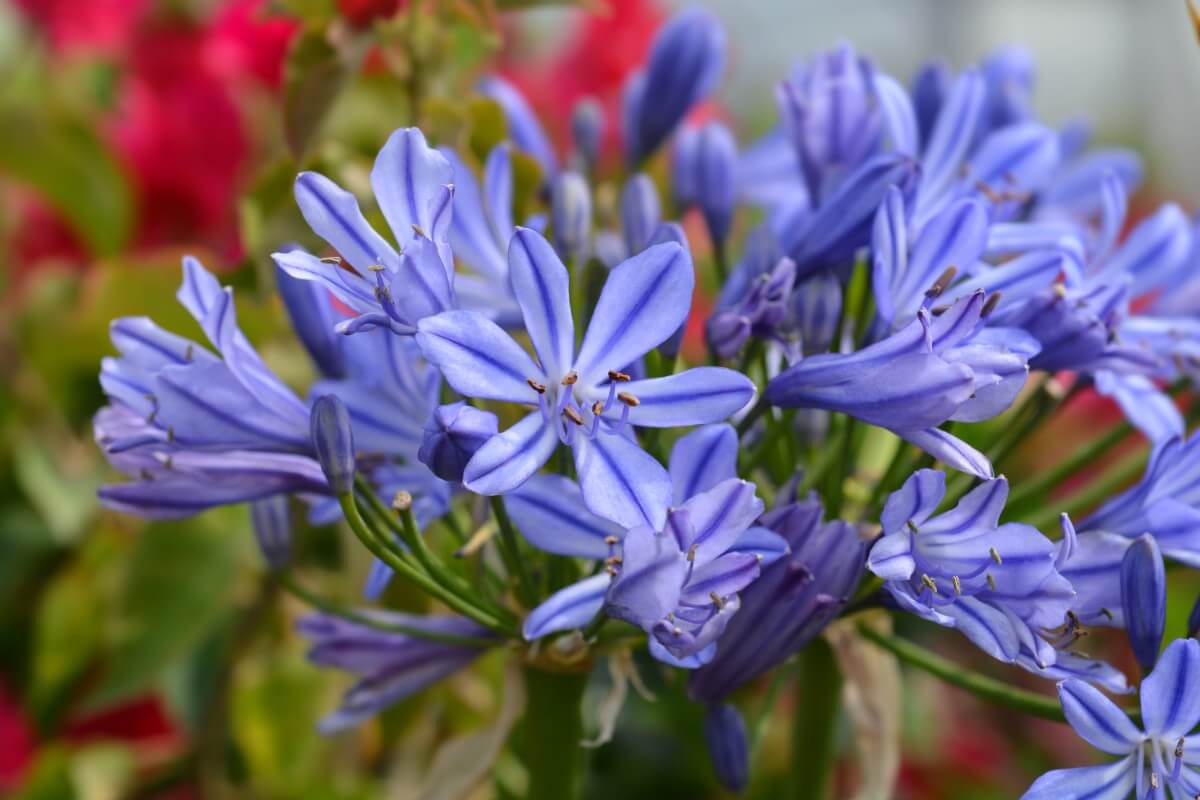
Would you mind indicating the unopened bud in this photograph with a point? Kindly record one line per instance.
(273, 529)
(725, 733)
(1144, 599)
(333, 442)
(452, 435)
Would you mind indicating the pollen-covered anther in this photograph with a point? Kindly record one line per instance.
(1154, 780)
(942, 283)
(571, 378)
(1060, 289)
(991, 581)
(614, 375)
(677, 631)
(419, 231)
(597, 408)
(540, 388)
(929, 582)
(376, 268)
(611, 570)
(610, 540)
(170, 434)
(614, 560)
(1179, 745)
(957, 584)
(718, 601)
(628, 399)
(691, 553)
(990, 306)
(995, 554)
(571, 413)
(335, 260)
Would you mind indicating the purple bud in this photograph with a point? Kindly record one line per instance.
(452, 435)
(1144, 599)
(725, 732)
(641, 212)
(705, 163)
(333, 442)
(685, 63)
(726, 333)
(273, 529)
(587, 132)
(571, 215)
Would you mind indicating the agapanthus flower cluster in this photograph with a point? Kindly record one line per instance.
(936, 269)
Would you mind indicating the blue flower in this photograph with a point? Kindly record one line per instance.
(453, 434)
(679, 582)
(1158, 756)
(582, 397)
(936, 368)
(998, 584)
(384, 286)
(199, 428)
(389, 666)
(791, 602)
(685, 64)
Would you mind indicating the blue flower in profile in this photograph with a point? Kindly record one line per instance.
(936, 368)
(685, 64)
(384, 285)
(997, 584)
(390, 666)
(582, 397)
(199, 428)
(679, 582)
(1159, 756)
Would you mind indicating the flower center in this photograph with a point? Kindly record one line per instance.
(570, 412)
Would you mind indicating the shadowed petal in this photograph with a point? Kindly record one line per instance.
(508, 459)
(702, 459)
(651, 577)
(572, 607)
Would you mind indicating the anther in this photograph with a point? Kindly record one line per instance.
(628, 399)
(376, 268)
(941, 283)
(614, 560)
(611, 570)
(571, 378)
(991, 580)
(1153, 780)
(597, 408)
(613, 375)
(145, 474)
(610, 540)
(912, 526)
(570, 413)
(419, 231)
(990, 306)
(1060, 290)
(187, 354)
(995, 554)
(1179, 747)
(540, 388)
(1108, 614)
(335, 260)
(957, 584)
(691, 554)
(170, 434)
(928, 581)
(719, 602)
(402, 501)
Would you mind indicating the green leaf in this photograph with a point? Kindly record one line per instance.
(314, 76)
(179, 583)
(64, 160)
(67, 635)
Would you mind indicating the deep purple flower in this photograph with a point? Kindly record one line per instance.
(453, 434)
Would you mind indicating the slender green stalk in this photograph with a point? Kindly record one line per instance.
(553, 729)
(289, 583)
(721, 262)
(371, 540)
(835, 479)
(1116, 478)
(510, 552)
(815, 722)
(1050, 478)
(1004, 694)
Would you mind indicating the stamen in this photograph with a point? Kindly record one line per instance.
(376, 268)
(941, 283)
(540, 388)
(1154, 780)
(928, 581)
(1108, 614)
(615, 376)
(570, 413)
(911, 526)
(995, 554)
(990, 306)
(957, 584)
(571, 378)
(1179, 747)
(170, 433)
(1060, 289)
(187, 354)
(719, 602)
(335, 260)
(419, 231)
(145, 474)
(597, 408)
(611, 540)
(691, 553)
(611, 570)
(991, 580)
(628, 399)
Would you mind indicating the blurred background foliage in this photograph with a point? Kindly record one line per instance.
(158, 660)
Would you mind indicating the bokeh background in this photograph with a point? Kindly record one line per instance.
(143, 660)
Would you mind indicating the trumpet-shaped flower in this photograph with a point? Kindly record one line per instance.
(581, 397)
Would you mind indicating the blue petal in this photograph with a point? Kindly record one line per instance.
(1113, 781)
(498, 192)
(695, 397)
(950, 138)
(889, 252)
(899, 118)
(408, 178)
(511, 458)
(1017, 278)
(542, 287)
(891, 557)
(572, 607)
(378, 577)
(311, 313)
(702, 459)
(650, 579)
(988, 627)
(1171, 694)
(477, 358)
(1096, 719)
(955, 237)
(950, 450)
(1144, 598)
(644, 300)
(471, 233)
(421, 287)
(621, 481)
(549, 512)
(334, 215)
(1176, 528)
(1154, 251)
(1019, 158)
(724, 576)
(640, 212)
(693, 661)
(351, 289)
(763, 543)
(523, 125)
(1148, 408)
(719, 517)
(979, 508)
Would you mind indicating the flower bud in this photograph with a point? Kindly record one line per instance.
(571, 215)
(704, 175)
(1144, 599)
(726, 333)
(685, 64)
(587, 132)
(725, 732)
(273, 529)
(333, 442)
(641, 213)
(817, 306)
(452, 435)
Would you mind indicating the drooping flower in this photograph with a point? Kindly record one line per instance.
(678, 581)
(383, 286)
(390, 666)
(937, 368)
(1156, 757)
(582, 397)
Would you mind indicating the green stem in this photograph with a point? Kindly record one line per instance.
(1115, 479)
(294, 588)
(815, 722)
(510, 552)
(402, 566)
(553, 729)
(1064, 469)
(721, 261)
(1004, 694)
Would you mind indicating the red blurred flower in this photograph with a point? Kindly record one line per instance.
(16, 742)
(361, 13)
(103, 27)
